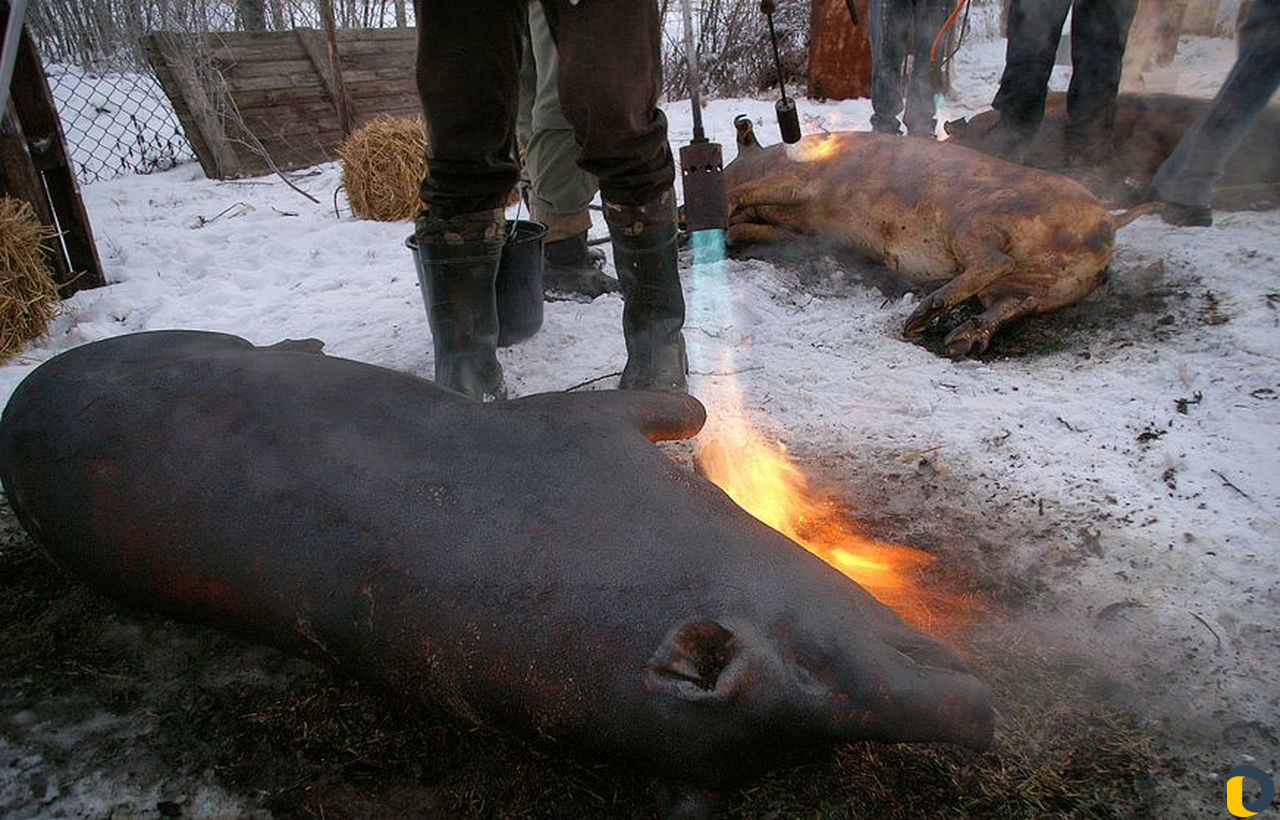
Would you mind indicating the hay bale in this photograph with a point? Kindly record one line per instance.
(28, 294)
(383, 164)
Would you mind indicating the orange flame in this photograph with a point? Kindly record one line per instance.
(814, 148)
(760, 477)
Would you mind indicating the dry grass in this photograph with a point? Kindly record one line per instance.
(382, 166)
(28, 294)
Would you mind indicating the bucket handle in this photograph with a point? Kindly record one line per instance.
(522, 200)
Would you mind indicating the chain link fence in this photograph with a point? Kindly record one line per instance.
(116, 122)
(116, 117)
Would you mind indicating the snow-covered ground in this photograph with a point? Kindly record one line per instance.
(1124, 472)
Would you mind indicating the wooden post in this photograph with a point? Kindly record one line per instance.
(174, 58)
(340, 98)
(37, 169)
(839, 52)
(323, 57)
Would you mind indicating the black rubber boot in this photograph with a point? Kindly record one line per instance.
(457, 268)
(571, 268)
(644, 253)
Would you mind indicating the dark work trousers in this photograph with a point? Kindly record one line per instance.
(1187, 176)
(1099, 32)
(891, 27)
(469, 54)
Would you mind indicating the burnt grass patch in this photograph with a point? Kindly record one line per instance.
(296, 741)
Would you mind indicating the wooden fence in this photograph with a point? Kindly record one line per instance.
(255, 102)
(34, 168)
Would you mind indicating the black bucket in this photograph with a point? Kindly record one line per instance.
(519, 282)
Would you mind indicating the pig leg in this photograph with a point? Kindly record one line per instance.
(755, 233)
(761, 202)
(977, 332)
(991, 265)
(770, 192)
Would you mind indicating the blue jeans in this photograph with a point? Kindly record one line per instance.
(1099, 33)
(892, 25)
(1188, 175)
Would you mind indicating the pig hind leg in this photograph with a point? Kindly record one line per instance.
(990, 267)
(975, 335)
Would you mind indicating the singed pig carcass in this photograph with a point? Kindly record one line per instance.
(1146, 129)
(1022, 241)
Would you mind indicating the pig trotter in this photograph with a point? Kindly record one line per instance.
(974, 336)
(993, 265)
(926, 313)
(963, 340)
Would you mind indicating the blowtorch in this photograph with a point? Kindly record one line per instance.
(706, 203)
(788, 116)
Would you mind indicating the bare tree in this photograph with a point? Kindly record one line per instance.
(251, 14)
(277, 15)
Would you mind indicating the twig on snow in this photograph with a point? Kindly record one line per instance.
(592, 381)
(1226, 482)
(1212, 631)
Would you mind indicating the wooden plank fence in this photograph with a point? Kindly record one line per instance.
(34, 168)
(255, 102)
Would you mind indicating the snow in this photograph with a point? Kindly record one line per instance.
(1172, 509)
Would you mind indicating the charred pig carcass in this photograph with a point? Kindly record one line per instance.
(535, 565)
(1021, 241)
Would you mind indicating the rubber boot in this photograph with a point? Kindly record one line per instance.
(457, 268)
(572, 268)
(644, 254)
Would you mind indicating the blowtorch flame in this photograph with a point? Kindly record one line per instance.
(762, 479)
(759, 476)
(814, 148)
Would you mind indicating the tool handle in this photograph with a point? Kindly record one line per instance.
(691, 61)
(777, 58)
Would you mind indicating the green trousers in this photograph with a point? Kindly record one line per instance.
(560, 191)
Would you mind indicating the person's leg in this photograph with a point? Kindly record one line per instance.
(560, 191)
(926, 76)
(1185, 180)
(610, 79)
(468, 70)
(1035, 27)
(1099, 33)
(890, 26)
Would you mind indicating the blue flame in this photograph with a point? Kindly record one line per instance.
(711, 311)
(708, 247)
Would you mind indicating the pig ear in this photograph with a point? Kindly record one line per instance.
(659, 415)
(698, 660)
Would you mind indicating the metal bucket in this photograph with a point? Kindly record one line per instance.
(519, 285)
